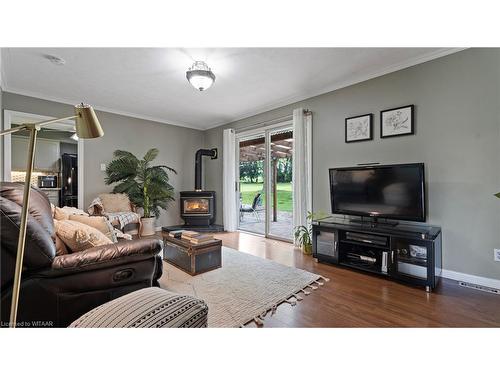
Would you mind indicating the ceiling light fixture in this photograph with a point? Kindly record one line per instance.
(200, 76)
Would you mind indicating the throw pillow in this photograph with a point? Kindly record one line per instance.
(61, 248)
(100, 223)
(115, 202)
(78, 236)
(65, 212)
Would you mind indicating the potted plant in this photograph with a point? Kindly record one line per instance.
(147, 186)
(303, 233)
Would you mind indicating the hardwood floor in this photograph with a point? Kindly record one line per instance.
(353, 299)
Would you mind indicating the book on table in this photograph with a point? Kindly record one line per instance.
(175, 233)
(202, 238)
(188, 234)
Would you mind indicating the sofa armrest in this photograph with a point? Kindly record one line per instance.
(120, 252)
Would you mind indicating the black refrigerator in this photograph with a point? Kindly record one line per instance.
(69, 180)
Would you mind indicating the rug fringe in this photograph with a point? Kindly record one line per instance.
(273, 309)
(258, 321)
(292, 300)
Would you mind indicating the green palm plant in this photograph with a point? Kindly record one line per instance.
(147, 186)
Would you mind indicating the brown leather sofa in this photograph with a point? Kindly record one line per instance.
(56, 290)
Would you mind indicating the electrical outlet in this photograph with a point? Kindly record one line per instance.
(103, 167)
(496, 255)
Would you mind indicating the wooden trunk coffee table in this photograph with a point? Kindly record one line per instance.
(192, 258)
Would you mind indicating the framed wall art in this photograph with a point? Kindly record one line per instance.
(397, 121)
(359, 128)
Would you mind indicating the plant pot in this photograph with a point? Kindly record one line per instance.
(147, 226)
(307, 249)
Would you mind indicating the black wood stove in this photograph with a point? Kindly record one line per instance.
(198, 207)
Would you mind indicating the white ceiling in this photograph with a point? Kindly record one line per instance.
(150, 83)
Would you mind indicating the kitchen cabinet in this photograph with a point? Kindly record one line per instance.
(47, 154)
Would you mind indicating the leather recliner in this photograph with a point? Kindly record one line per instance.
(56, 290)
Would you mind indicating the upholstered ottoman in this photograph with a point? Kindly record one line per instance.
(147, 308)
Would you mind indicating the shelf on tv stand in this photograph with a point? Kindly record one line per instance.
(375, 246)
(361, 268)
(417, 230)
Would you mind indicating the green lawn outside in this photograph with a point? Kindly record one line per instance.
(249, 190)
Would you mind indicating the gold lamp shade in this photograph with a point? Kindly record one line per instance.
(87, 124)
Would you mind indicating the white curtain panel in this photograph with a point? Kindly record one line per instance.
(302, 166)
(229, 214)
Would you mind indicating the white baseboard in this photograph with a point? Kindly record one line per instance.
(479, 280)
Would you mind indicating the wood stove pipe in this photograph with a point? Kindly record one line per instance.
(198, 165)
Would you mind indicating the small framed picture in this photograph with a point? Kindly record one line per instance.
(359, 128)
(397, 121)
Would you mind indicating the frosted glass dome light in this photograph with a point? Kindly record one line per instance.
(200, 76)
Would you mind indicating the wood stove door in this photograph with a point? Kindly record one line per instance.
(196, 206)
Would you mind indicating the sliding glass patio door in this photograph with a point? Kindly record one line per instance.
(251, 160)
(264, 174)
(280, 219)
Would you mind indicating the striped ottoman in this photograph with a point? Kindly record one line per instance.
(147, 308)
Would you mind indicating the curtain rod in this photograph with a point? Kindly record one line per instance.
(270, 122)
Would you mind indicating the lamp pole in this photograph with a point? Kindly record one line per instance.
(24, 219)
(33, 129)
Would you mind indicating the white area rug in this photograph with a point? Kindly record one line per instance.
(245, 288)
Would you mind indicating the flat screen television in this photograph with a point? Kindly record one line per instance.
(380, 191)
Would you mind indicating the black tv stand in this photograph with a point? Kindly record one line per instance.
(403, 252)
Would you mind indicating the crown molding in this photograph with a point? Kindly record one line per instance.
(36, 95)
(339, 85)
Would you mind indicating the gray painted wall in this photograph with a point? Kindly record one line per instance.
(457, 137)
(177, 146)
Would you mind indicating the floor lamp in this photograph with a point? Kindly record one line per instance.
(87, 126)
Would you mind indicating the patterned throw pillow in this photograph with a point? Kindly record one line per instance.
(100, 223)
(78, 236)
(115, 202)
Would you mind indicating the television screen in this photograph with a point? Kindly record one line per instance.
(385, 191)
